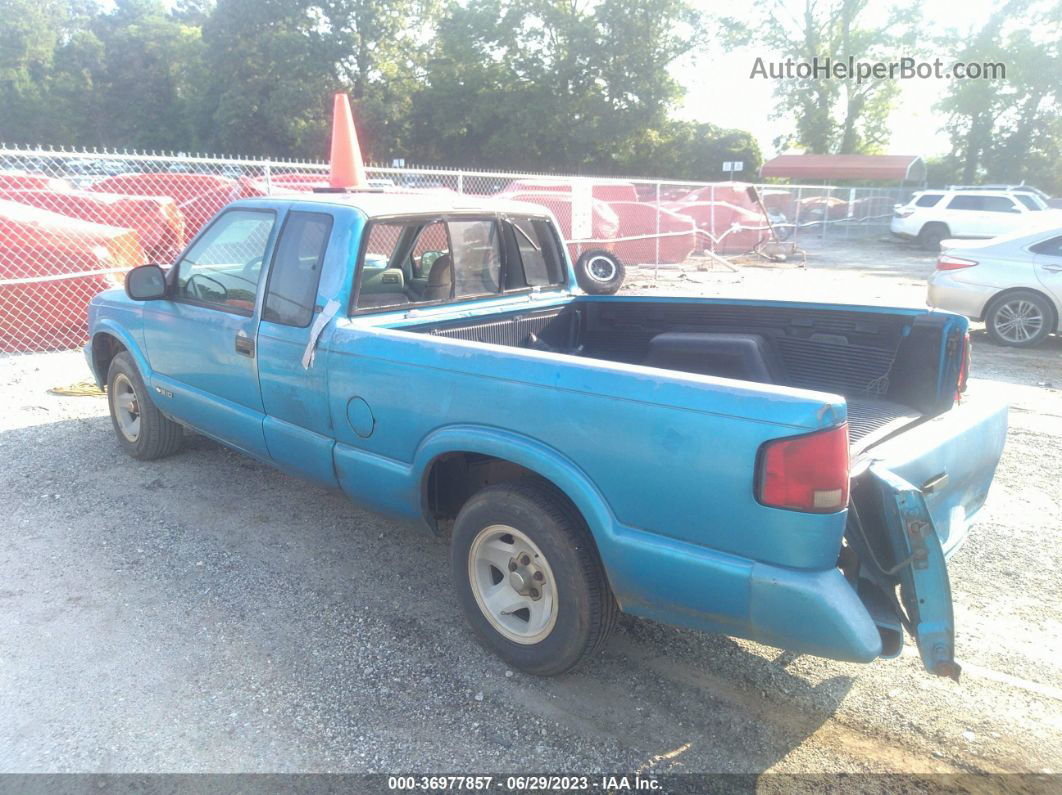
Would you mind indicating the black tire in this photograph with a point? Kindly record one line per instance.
(931, 236)
(156, 436)
(585, 607)
(1038, 313)
(599, 272)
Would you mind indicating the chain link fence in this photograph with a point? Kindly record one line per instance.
(73, 223)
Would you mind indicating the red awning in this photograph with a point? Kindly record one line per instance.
(885, 168)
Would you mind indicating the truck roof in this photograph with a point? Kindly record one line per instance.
(382, 204)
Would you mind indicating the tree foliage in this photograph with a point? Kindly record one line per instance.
(558, 85)
(586, 86)
(835, 116)
(550, 84)
(1010, 130)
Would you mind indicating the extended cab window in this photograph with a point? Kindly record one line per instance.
(222, 269)
(420, 261)
(476, 251)
(296, 268)
(397, 264)
(537, 251)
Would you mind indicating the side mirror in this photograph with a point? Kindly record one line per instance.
(146, 283)
(754, 197)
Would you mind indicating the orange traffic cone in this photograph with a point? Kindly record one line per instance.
(347, 171)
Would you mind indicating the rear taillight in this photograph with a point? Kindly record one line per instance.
(964, 368)
(806, 473)
(946, 262)
(903, 212)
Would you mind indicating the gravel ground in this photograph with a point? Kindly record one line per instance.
(205, 613)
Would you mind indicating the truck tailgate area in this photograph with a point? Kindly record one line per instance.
(870, 420)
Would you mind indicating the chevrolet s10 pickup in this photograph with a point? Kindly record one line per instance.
(792, 473)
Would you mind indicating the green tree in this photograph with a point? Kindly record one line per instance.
(841, 116)
(1007, 130)
(269, 85)
(549, 84)
(146, 92)
(89, 77)
(379, 49)
(684, 150)
(30, 30)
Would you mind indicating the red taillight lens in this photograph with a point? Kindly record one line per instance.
(964, 368)
(905, 212)
(946, 262)
(806, 473)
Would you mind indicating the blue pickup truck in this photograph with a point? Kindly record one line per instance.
(792, 473)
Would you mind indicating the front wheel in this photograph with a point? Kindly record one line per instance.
(142, 430)
(599, 272)
(529, 579)
(1020, 320)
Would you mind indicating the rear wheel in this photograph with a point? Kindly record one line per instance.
(529, 579)
(931, 236)
(1020, 320)
(142, 431)
(599, 272)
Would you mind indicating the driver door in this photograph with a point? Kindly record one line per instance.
(201, 342)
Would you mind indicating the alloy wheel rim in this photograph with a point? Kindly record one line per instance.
(126, 407)
(1018, 321)
(601, 269)
(513, 584)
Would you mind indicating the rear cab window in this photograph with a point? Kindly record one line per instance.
(415, 261)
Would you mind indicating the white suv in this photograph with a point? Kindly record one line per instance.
(935, 215)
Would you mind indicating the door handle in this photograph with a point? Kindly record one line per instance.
(245, 347)
(1052, 268)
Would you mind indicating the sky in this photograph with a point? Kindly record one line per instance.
(719, 89)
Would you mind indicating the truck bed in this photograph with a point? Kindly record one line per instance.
(881, 362)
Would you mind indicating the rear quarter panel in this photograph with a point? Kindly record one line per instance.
(673, 455)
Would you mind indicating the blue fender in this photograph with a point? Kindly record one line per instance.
(110, 327)
(529, 453)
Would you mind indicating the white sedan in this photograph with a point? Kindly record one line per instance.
(1012, 283)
